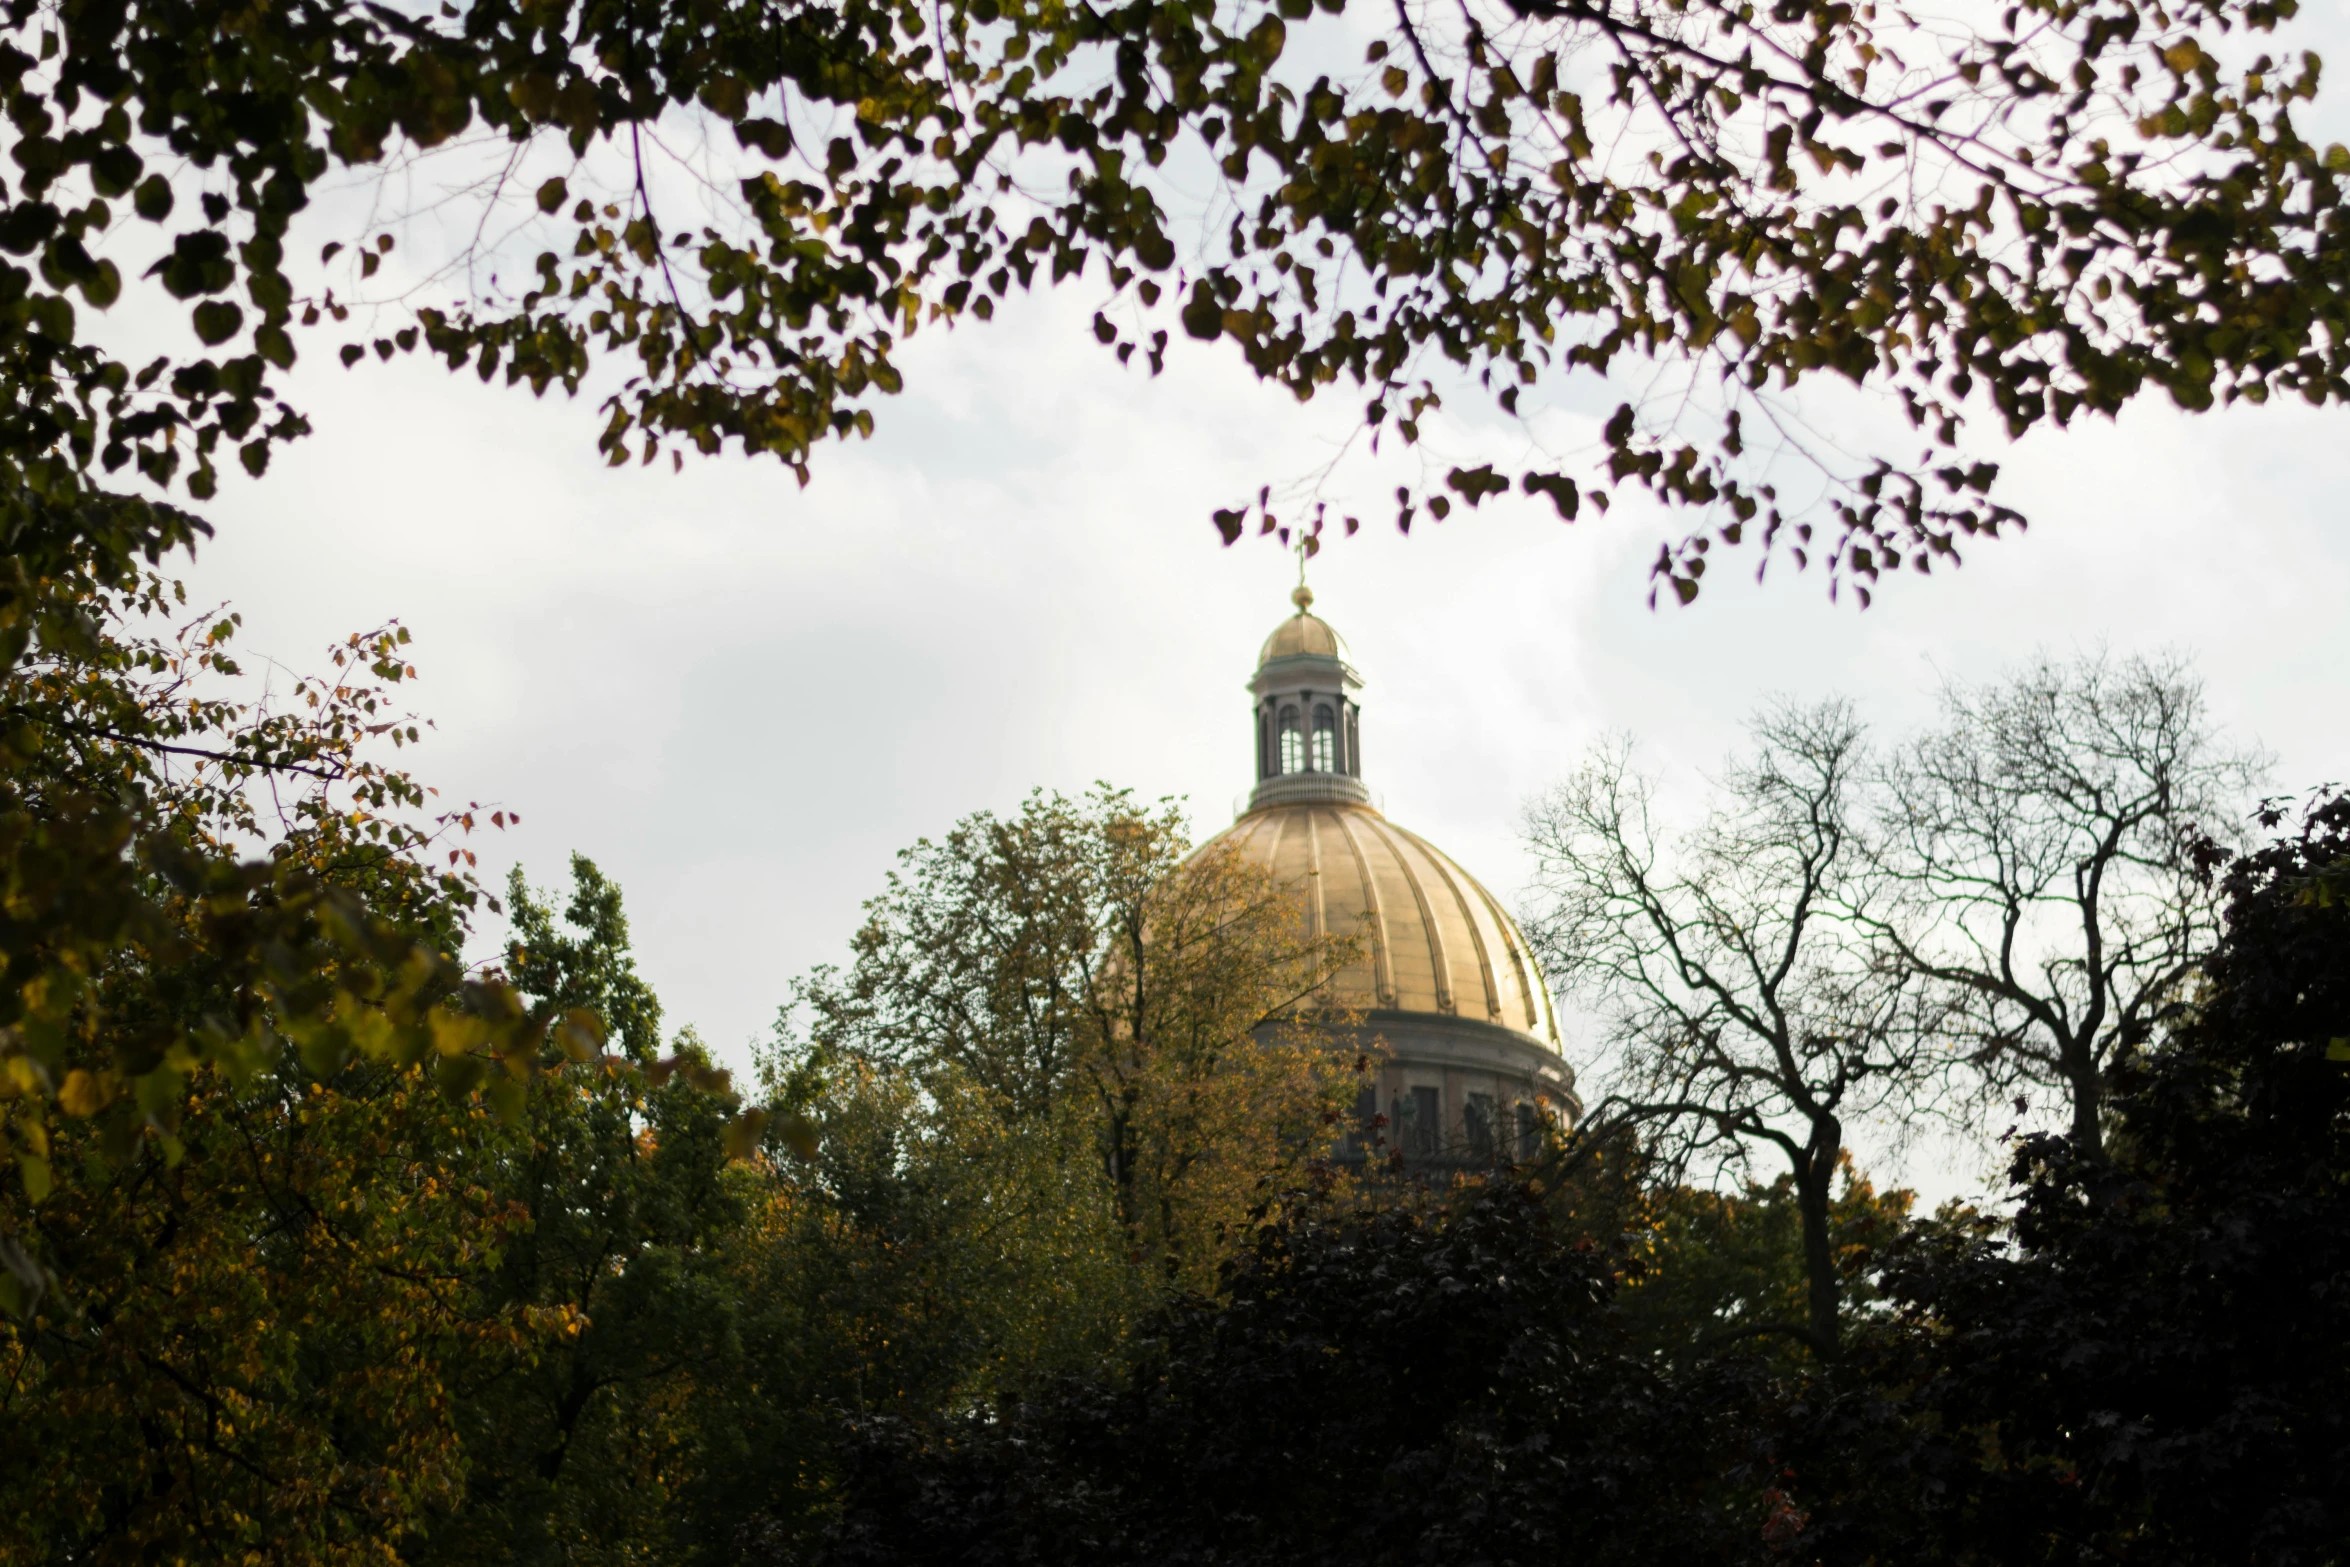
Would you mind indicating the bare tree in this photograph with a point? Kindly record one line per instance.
(2033, 855)
(1742, 1013)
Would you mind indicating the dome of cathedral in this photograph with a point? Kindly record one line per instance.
(1445, 983)
(1302, 633)
(1434, 940)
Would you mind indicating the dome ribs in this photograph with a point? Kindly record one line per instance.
(1382, 973)
(1439, 954)
(1271, 857)
(1538, 1019)
(1445, 869)
(1272, 849)
(1317, 916)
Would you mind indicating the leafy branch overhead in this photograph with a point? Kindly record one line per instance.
(2035, 218)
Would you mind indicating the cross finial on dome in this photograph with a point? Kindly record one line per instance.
(1303, 597)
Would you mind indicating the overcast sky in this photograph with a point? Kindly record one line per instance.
(741, 697)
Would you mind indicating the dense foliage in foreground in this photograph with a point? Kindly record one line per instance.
(2148, 1368)
(1063, 1274)
(2157, 1362)
(337, 1308)
(1379, 1386)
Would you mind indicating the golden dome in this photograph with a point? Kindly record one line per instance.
(1437, 941)
(1302, 633)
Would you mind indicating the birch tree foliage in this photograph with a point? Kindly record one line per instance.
(206, 872)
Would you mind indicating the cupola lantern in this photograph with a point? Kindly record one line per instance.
(1309, 728)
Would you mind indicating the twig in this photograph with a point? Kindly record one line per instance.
(226, 758)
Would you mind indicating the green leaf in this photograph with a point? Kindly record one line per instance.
(114, 170)
(217, 321)
(460, 1075)
(1562, 492)
(509, 1097)
(770, 138)
(324, 1050)
(1474, 484)
(102, 284)
(153, 199)
(580, 1035)
(159, 1091)
(1203, 317)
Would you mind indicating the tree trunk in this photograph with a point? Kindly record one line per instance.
(1815, 1177)
(2088, 1096)
(1120, 1155)
(2088, 1132)
(577, 1390)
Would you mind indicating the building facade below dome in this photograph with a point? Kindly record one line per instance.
(1445, 982)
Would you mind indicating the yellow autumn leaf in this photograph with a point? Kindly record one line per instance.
(83, 1095)
(455, 1033)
